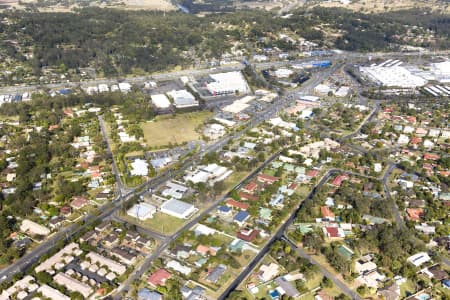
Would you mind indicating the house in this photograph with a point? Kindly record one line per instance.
(146, 294)
(102, 226)
(159, 278)
(175, 265)
(327, 213)
(33, 228)
(248, 197)
(435, 272)
(333, 232)
(415, 214)
(250, 188)
(286, 288)
(65, 211)
(224, 210)
(236, 204)
(215, 274)
(419, 259)
(365, 265)
(446, 283)
(277, 200)
(391, 292)
(205, 250)
(247, 234)
(371, 279)
(267, 272)
(195, 293)
(337, 181)
(431, 156)
(241, 217)
(263, 178)
(79, 202)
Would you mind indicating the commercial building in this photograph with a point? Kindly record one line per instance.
(178, 209)
(174, 190)
(211, 172)
(139, 168)
(142, 211)
(182, 98)
(227, 83)
(395, 76)
(160, 101)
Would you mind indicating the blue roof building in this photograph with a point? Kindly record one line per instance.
(224, 210)
(241, 217)
(146, 294)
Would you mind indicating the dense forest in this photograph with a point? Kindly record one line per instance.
(119, 42)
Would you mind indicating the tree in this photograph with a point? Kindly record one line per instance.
(326, 282)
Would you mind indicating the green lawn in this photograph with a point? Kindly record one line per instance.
(180, 128)
(160, 222)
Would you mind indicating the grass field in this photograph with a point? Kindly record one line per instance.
(161, 223)
(174, 129)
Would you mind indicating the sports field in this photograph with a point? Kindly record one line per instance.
(174, 129)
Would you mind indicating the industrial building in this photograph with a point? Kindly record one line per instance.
(160, 101)
(182, 98)
(178, 209)
(395, 76)
(142, 211)
(227, 83)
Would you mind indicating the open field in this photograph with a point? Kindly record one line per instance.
(376, 6)
(160, 222)
(174, 129)
(160, 5)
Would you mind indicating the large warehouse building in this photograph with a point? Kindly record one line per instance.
(395, 76)
(178, 209)
(160, 101)
(227, 83)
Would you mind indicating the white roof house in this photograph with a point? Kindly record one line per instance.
(160, 101)
(419, 259)
(227, 83)
(178, 209)
(142, 211)
(211, 172)
(175, 265)
(28, 226)
(182, 98)
(139, 168)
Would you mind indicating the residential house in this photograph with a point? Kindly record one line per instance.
(215, 274)
(247, 234)
(159, 278)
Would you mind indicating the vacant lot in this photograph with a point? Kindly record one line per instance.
(174, 129)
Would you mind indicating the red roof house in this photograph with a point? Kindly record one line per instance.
(334, 232)
(430, 156)
(159, 277)
(415, 214)
(236, 204)
(266, 178)
(247, 196)
(312, 173)
(327, 213)
(339, 179)
(247, 234)
(78, 202)
(250, 187)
